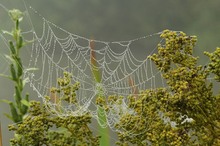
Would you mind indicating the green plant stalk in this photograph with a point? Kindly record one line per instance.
(18, 108)
(104, 132)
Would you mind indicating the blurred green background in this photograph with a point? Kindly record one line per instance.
(111, 20)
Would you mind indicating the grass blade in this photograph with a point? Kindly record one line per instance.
(103, 132)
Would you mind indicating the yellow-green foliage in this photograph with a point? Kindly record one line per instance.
(214, 66)
(147, 118)
(147, 123)
(40, 127)
(188, 96)
(66, 92)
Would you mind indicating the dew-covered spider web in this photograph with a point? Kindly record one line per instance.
(123, 66)
(124, 69)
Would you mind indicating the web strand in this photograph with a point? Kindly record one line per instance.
(123, 72)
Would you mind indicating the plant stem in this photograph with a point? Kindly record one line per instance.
(103, 131)
(18, 108)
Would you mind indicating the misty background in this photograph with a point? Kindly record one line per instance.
(111, 20)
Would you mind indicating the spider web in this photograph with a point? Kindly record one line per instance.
(124, 69)
(122, 72)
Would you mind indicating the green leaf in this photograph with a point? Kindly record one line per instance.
(6, 32)
(24, 81)
(10, 59)
(17, 95)
(13, 72)
(12, 48)
(27, 97)
(5, 101)
(25, 102)
(6, 76)
(20, 42)
(19, 67)
(8, 116)
(15, 116)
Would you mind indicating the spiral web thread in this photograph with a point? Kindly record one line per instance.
(123, 65)
(122, 73)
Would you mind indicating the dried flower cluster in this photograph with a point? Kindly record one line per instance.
(40, 127)
(189, 95)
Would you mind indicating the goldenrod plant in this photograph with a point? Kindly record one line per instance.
(185, 113)
(188, 101)
(38, 127)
